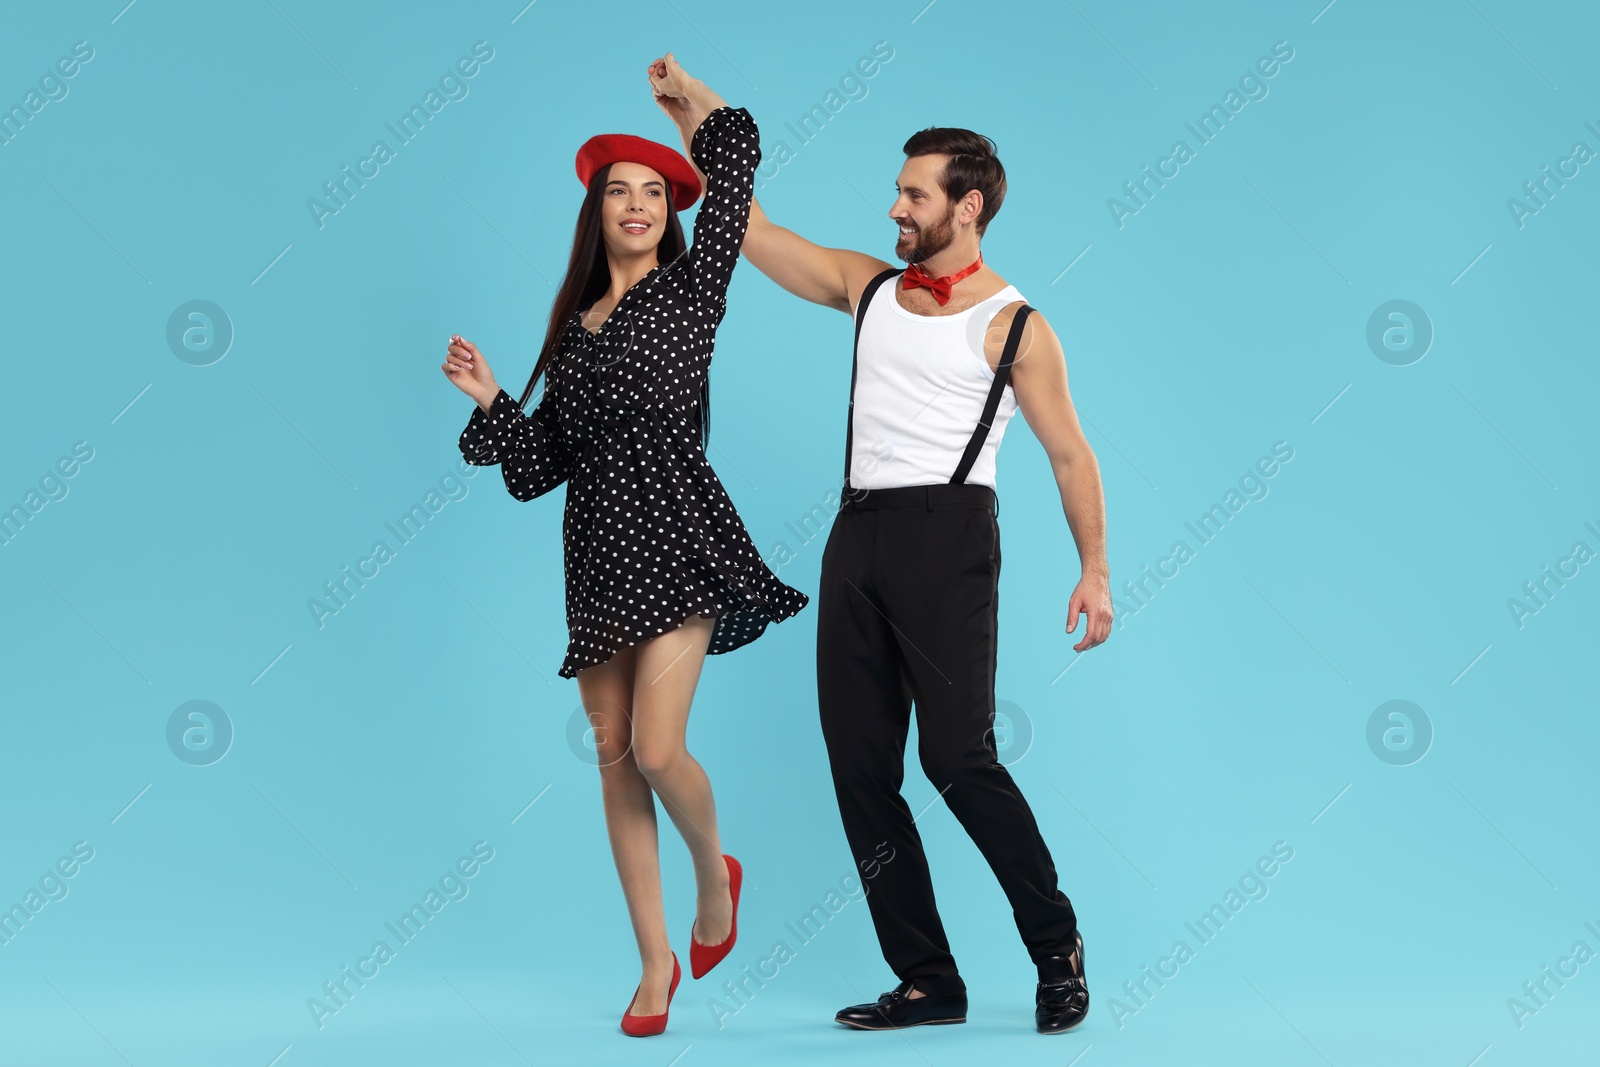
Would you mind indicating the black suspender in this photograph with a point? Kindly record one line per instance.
(850, 417)
(991, 403)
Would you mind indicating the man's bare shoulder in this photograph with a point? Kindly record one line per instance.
(859, 269)
(1037, 336)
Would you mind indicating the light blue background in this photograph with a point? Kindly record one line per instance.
(1226, 714)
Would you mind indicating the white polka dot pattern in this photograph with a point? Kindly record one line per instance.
(650, 535)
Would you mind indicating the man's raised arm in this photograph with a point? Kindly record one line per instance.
(832, 277)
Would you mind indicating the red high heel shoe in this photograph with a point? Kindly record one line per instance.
(704, 957)
(647, 1025)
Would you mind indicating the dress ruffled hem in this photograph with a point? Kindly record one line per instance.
(736, 625)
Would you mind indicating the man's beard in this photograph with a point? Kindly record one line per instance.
(930, 242)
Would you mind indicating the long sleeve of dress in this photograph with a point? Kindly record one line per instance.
(727, 148)
(531, 449)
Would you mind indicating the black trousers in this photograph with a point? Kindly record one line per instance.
(907, 612)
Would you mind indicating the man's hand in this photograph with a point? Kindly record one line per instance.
(667, 80)
(685, 99)
(1093, 598)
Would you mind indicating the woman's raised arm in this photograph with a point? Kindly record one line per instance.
(724, 145)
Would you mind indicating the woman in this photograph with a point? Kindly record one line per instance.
(660, 571)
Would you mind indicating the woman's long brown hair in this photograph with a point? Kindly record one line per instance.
(589, 276)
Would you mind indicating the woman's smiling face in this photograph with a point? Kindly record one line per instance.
(634, 208)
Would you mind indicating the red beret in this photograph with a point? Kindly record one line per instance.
(607, 148)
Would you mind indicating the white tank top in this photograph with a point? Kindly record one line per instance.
(921, 382)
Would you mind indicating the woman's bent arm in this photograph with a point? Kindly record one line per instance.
(530, 449)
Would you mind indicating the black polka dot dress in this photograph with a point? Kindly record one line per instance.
(650, 535)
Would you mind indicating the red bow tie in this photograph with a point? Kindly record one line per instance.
(938, 287)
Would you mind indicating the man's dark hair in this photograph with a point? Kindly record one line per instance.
(972, 165)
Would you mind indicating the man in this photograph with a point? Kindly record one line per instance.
(945, 353)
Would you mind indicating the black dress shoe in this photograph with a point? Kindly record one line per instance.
(896, 1009)
(1062, 999)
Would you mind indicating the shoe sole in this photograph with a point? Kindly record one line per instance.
(1064, 1029)
(925, 1022)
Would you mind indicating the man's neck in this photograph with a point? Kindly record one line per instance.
(950, 260)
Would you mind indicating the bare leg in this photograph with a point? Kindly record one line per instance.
(667, 672)
(607, 693)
